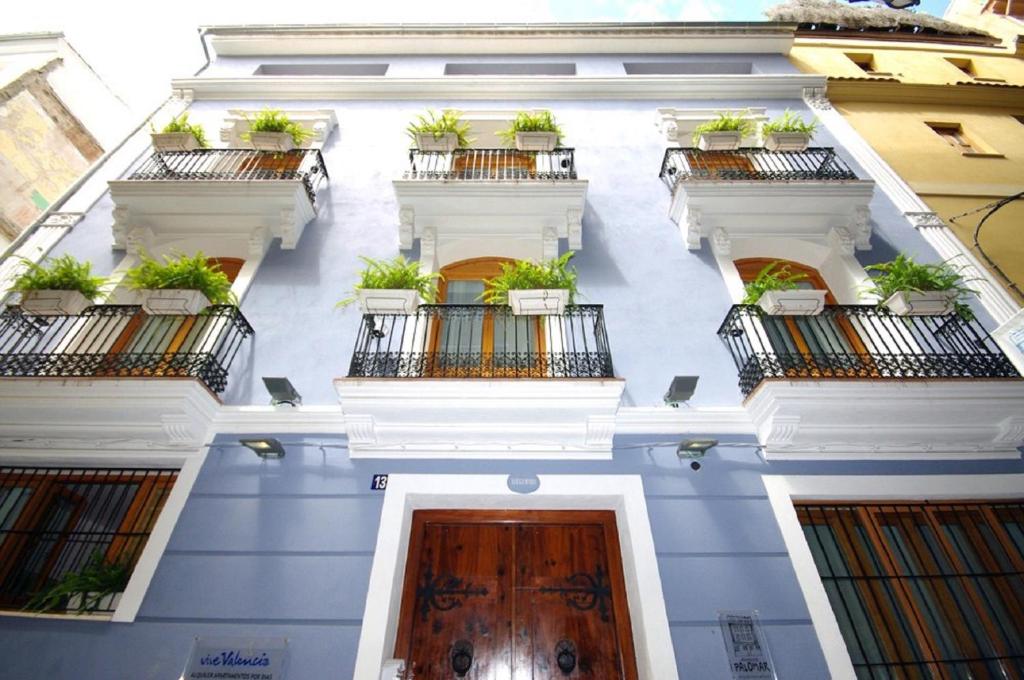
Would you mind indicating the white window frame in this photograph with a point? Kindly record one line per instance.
(783, 490)
(188, 466)
(624, 494)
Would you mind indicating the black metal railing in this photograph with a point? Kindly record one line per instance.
(753, 164)
(56, 523)
(122, 341)
(858, 341)
(483, 341)
(305, 165)
(491, 164)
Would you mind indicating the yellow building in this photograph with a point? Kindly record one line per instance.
(942, 104)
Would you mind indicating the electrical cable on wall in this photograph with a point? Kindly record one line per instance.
(992, 208)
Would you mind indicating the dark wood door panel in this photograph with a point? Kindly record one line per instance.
(518, 586)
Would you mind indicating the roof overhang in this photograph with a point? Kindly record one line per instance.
(505, 39)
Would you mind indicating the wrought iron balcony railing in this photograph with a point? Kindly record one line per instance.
(122, 341)
(753, 164)
(305, 165)
(491, 164)
(482, 341)
(858, 341)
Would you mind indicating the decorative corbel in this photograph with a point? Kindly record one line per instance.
(289, 230)
(406, 223)
(691, 224)
(721, 244)
(259, 241)
(841, 240)
(120, 227)
(862, 228)
(574, 228)
(549, 244)
(428, 249)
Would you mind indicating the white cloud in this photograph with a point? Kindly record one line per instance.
(675, 10)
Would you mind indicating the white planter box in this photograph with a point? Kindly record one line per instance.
(388, 300)
(426, 141)
(928, 303)
(538, 301)
(720, 141)
(174, 141)
(173, 301)
(54, 302)
(536, 141)
(796, 302)
(271, 141)
(787, 141)
(106, 604)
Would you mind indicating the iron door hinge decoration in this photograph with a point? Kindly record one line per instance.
(444, 593)
(586, 592)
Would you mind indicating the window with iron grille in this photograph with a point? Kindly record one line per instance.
(923, 590)
(56, 523)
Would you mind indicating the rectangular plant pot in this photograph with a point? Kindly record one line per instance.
(54, 302)
(787, 141)
(926, 303)
(536, 141)
(271, 141)
(538, 301)
(174, 141)
(447, 142)
(173, 301)
(720, 141)
(388, 300)
(106, 604)
(797, 302)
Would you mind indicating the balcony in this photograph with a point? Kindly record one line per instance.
(121, 341)
(252, 196)
(858, 379)
(450, 380)
(527, 196)
(752, 193)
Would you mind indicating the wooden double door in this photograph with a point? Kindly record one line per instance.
(515, 595)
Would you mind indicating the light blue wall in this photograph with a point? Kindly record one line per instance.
(284, 548)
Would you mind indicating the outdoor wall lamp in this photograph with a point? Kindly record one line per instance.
(282, 392)
(681, 389)
(694, 449)
(267, 447)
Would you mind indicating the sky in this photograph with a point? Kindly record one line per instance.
(137, 46)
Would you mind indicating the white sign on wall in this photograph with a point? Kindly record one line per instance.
(237, 659)
(746, 647)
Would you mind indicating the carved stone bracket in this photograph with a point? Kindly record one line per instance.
(924, 219)
(817, 98)
(691, 224)
(574, 227)
(549, 244)
(841, 239)
(721, 244)
(862, 228)
(428, 249)
(406, 222)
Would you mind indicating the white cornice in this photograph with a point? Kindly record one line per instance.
(482, 39)
(669, 88)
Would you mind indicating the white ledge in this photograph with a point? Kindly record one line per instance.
(760, 86)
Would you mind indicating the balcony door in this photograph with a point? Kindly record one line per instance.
(823, 345)
(503, 594)
(471, 339)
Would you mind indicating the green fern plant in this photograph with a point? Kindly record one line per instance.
(396, 274)
(189, 273)
(448, 122)
(775, 276)
(526, 275)
(526, 121)
(725, 121)
(60, 273)
(903, 274)
(93, 582)
(274, 120)
(181, 124)
(790, 122)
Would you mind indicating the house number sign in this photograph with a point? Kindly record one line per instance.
(237, 659)
(523, 483)
(746, 646)
(379, 483)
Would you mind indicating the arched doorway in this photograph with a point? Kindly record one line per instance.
(472, 339)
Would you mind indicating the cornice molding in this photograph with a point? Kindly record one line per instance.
(960, 94)
(669, 88)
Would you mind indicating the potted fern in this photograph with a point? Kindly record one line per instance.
(724, 133)
(180, 135)
(445, 132)
(532, 288)
(532, 132)
(395, 286)
(182, 285)
(98, 586)
(907, 288)
(788, 132)
(273, 130)
(776, 291)
(63, 286)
